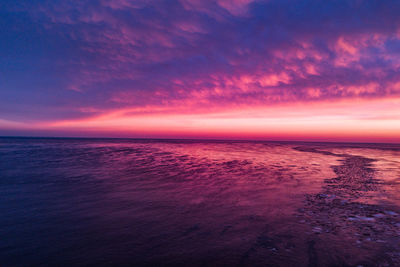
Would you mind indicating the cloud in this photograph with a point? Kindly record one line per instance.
(108, 55)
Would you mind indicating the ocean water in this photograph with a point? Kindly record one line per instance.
(133, 202)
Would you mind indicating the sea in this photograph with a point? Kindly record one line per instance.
(143, 202)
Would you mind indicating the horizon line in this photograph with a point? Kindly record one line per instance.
(194, 139)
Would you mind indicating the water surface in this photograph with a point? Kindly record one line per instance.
(158, 202)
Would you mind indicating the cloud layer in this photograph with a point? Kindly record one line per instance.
(67, 60)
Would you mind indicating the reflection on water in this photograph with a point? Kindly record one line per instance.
(143, 202)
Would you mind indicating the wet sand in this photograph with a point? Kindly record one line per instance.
(370, 233)
(335, 227)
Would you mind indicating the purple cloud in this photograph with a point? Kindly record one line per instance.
(72, 59)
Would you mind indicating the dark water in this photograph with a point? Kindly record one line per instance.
(196, 203)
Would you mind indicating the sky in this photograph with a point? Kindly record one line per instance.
(240, 69)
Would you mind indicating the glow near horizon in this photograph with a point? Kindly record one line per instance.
(337, 121)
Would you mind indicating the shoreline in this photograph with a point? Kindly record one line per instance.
(337, 214)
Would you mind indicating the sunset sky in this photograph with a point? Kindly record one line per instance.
(238, 69)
